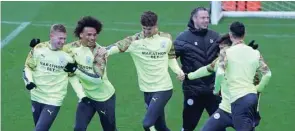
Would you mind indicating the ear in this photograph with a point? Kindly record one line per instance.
(81, 35)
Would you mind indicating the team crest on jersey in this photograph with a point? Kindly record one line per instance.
(163, 44)
(88, 59)
(62, 61)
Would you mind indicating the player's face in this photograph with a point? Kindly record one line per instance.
(88, 36)
(149, 30)
(201, 19)
(58, 39)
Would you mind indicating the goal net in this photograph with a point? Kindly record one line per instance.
(266, 9)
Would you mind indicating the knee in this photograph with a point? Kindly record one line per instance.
(40, 128)
(147, 124)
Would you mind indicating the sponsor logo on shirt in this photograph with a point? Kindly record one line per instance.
(154, 55)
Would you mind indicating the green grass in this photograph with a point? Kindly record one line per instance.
(273, 35)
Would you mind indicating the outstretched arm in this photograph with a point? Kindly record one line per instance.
(266, 75)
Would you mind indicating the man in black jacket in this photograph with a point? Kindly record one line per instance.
(196, 47)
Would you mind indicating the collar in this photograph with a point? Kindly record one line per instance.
(238, 42)
(50, 47)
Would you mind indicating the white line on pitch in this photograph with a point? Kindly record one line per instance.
(14, 33)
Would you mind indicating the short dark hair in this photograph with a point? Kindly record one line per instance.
(225, 39)
(149, 18)
(87, 21)
(58, 27)
(238, 29)
(196, 10)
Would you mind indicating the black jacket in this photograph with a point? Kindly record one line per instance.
(197, 48)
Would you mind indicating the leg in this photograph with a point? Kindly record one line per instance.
(160, 124)
(212, 103)
(243, 112)
(192, 112)
(155, 111)
(47, 117)
(36, 109)
(106, 111)
(219, 121)
(84, 114)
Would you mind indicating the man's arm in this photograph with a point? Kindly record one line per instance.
(179, 47)
(77, 86)
(30, 66)
(203, 71)
(122, 45)
(266, 74)
(172, 62)
(220, 71)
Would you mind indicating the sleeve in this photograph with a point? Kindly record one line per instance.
(220, 71)
(171, 53)
(218, 79)
(125, 44)
(178, 47)
(77, 86)
(201, 72)
(174, 66)
(264, 70)
(84, 75)
(30, 66)
(112, 49)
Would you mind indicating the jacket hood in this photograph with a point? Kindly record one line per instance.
(192, 28)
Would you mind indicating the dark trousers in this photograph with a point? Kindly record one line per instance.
(244, 112)
(193, 107)
(44, 115)
(155, 115)
(106, 111)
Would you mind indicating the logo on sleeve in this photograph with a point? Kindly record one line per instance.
(211, 41)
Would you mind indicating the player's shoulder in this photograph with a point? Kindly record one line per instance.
(213, 33)
(257, 52)
(136, 36)
(71, 45)
(41, 45)
(165, 35)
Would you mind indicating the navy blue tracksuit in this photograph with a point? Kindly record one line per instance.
(197, 48)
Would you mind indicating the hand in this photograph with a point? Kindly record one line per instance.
(86, 100)
(256, 80)
(186, 77)
(31, 86)
(217, 93)
(71, 67)
(253, 45)
(101, 51)
(259, 90)
(181, 76)
(34, 42)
